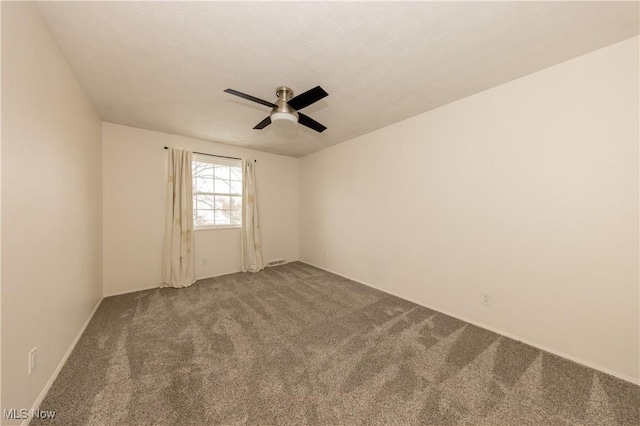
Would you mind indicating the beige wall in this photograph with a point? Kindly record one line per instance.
(51, 205)
(528, 191)
(134, 176)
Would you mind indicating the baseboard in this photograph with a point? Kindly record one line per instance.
(218, 275)
(64, 359)
(132, 291)
(605, 370)
(235, 272)
(158, 286)
(197, 279)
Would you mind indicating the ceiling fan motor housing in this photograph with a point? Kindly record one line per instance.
(284, 95)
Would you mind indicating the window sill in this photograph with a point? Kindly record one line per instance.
(209, 228)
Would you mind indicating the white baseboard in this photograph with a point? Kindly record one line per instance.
(235, 272)
(197, 279)
(131, 291)
(64, 359)
(120, 293)
(605, 370)
(218, 275)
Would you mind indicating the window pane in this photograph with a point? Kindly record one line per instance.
(204, 202)
(216, 210)
(204, 185)
(223, 217)
(222, 172)
(202, 169)
(204, 217)
(236, 217)
(236, 187)
(223, 202)
(236, 203)
(236, 173)
(222, 187)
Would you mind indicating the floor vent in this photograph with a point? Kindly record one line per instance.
(276, 262)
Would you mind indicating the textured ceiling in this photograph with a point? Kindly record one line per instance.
(164, 65)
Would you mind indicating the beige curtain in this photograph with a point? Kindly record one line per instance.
(178, 261)
(251, 239)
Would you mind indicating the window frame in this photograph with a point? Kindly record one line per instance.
(216, 161)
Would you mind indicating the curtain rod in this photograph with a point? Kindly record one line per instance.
(214, 155)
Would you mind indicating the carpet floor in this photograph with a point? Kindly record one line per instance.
(297, 345)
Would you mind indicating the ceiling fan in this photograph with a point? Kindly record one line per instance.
(284, 112)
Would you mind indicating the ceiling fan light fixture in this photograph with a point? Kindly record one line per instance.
(284, 119)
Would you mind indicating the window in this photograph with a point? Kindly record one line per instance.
(217, 193)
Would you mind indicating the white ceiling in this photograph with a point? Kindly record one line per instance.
(164, 65)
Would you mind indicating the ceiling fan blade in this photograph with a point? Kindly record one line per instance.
(305, 120)
(307, 98)
(264, 123)
(250, 98)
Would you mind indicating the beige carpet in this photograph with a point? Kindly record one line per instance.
(297, 345)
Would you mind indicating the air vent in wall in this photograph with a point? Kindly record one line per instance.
(276, 262)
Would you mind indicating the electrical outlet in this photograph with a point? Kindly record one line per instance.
(205, 261)
(485, 298)
(33, 360)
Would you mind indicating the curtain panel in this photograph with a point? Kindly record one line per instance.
(251, 238)
(178, 259)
